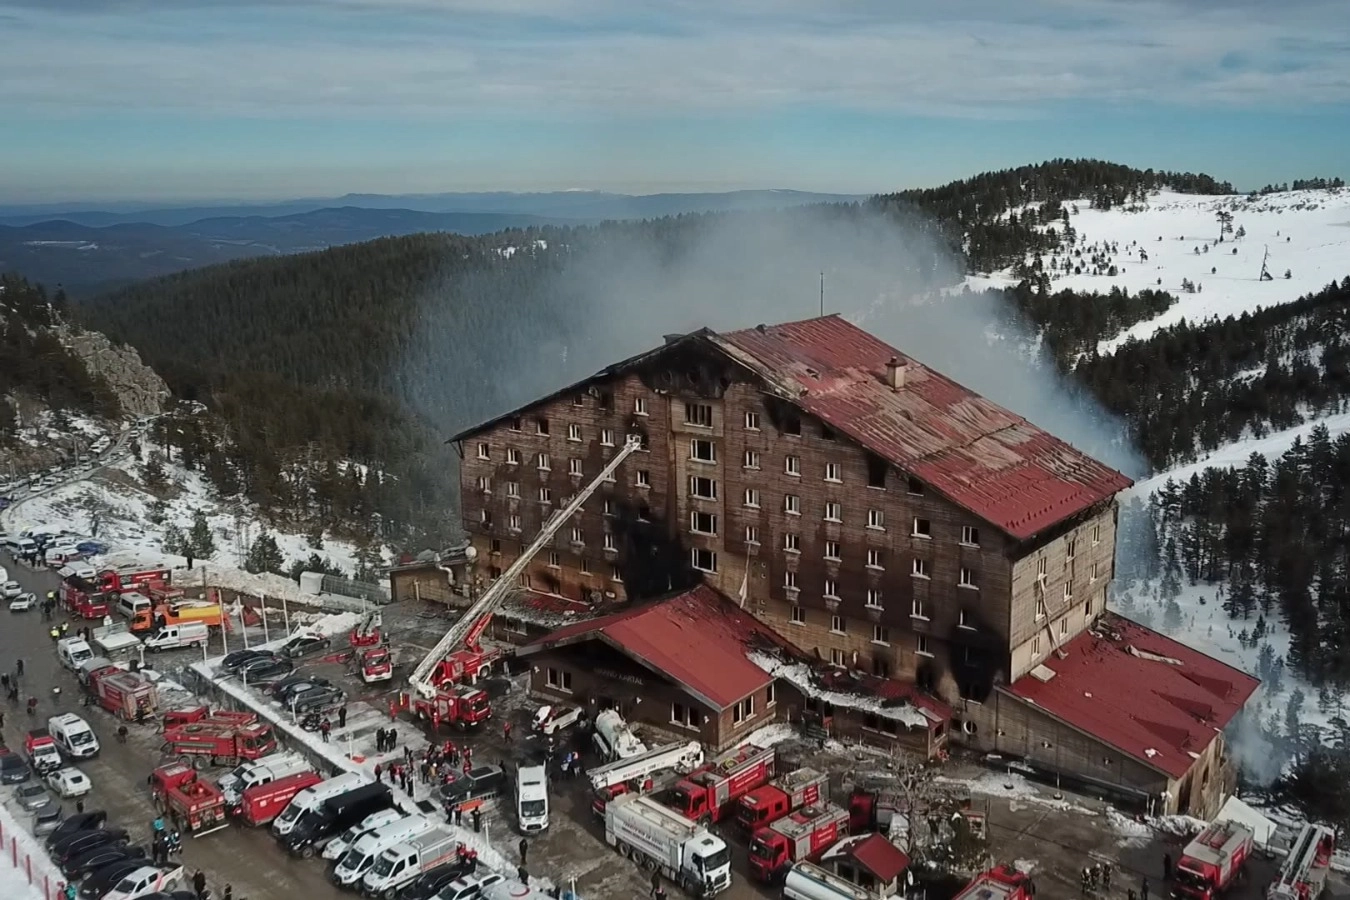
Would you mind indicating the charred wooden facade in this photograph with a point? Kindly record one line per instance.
(838, 548)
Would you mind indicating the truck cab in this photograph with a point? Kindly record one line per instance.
(43, 755)
(73, 651)
(73, 736)
(532, 799)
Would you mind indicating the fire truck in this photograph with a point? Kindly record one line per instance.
(219, 740)
(366, 633)
(1304, 873)
(194, 803)
(1214, 861)
(128, 695)
(115, 581)
(800, 836)
(709, 793)
(999, 883)
(459, 654)
(635, 774)
(780, 797)
(82, 598)
(375, 665)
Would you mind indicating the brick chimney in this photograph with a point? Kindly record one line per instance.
(895, 373)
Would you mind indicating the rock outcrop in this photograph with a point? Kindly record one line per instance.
(139, 388)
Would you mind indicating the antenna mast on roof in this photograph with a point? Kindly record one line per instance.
(822, 293)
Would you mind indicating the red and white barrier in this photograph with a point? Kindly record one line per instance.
(26, 872)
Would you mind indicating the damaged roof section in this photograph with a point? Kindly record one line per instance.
(899, 701)
(1150, 697)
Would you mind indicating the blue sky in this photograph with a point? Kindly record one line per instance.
(241, 99)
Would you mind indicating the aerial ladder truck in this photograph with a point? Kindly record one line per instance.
(436, 693)
(1304, 873)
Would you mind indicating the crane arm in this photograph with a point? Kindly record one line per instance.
(500, 589)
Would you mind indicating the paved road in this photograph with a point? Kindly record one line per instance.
(248, 859)
(114, 452)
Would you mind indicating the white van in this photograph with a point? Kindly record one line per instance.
(184, 634)
(261, 771)
(532, 799)
(313, 797)
(339, 845)
(131, 603)
(73, 736)
(73, 652)
(360, 856)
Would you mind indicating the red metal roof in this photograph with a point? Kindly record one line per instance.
(887, 690)
(885, 861)
(697, 639)
(1139, 691)
(971, 450)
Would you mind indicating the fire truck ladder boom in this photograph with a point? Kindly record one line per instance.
(506, 582)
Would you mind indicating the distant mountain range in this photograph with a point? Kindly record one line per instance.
(90, 250)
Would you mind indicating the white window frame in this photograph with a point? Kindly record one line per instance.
(790, 579)
(792, 504)
(921, 646)
(750, 460)
(838, 625)
(609, 542)
(881, 635)
(694, 488)
(875, 560)
(606, 437)
(918, 609)
(752, 534)
(545, 494)
(644, 478)
(965, 578)
(751, 421)
(543, 462)
(792, 466)
(554, 559)
(876, 519)
(512, 456)
(970, 536)
(558, 680)
(796, 615)
(834, 473)
(918, 568)
(695, 444)
(875, 599)
(639, 406)
(513, 522)
(792, 542)
(832, 546)
(692, 413)
(574, 432)
(834, 511)
(963, 620)
(831, 589)
(574, 467)
(695, 515)
(751, 498)
(578, 535)
(711, 567)
(484, 451)
(915, 532)
(484, 484)
(1041, 611)
(513, 490)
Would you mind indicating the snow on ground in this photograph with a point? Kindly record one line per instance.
(771, 735)
(14, 878)
(799, 676)
(1271, 446)
(1014, 787)
(1307, 233)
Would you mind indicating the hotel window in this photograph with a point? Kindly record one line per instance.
(541, 426)
(607, 507)
(917, 609)
(512, 456)
(827, 433)
(874, 559)
(578, 399)
(1087, 609)
(915, 487)
(752, 534)
(702, 451)
(792, 465)
(834, 512)
(616, 574)
(743, 711)
(970, 536)
(1064, 627)
(1040, 608)
(770, 695)
(1094, 574)
(1036, 645)
(750, 460)
(1096, 535)
(543, 463)
(578, 536)
(639, 406)
(919, 568)
(484, 484)
(751, 498)
(792, 425)
(702, 488)
(702, 523)
(606, 401)
(609, 540)
(832, 472)
(752, 421)
(496, 546)
(513, 522)
(574, 467)
(796, 615)
(1068, 592)
(558, 679)
(837, 624)
(607, 437)
(831, 589)
(832, 550)
(554, 559)
(792, 504)
(967, 579)
(545, 495)
(792, 542)
(585, 565)
(876, 519)
(922, 528)
(484, 451)
(921, 645)
(1069, 546)
(485, 517)
(963, 620)
(525, 580)
(874, 598)
(699, 414)
(574, 432)
(703, 560)
(513, 489)
(837, 658)
(684, 716)
(1040, 567)
(881, 634)
(516, 423)
(790, 579)
(644, 478)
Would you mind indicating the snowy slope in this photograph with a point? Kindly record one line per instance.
(1307, 233)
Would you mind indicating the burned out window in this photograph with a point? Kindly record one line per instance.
(541, 426)
(606, 401)
(700, 414)
(792, 425)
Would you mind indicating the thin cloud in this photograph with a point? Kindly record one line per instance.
(436, 58)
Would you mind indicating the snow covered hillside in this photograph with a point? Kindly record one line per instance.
(1175, 239)
(115, 506)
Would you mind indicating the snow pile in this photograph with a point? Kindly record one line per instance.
(771, 735)
(1013, 787)
(1179, 826)
(14, 878)
(1135, 833)
(799, 675)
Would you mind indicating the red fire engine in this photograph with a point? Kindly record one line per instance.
(82, 598)
(194, 803)
(115, 581)
(128, 695)
(220, 739)
(800, 836)
(375, 664)
(366, 633)
(1213, 861)
(709, 793)
(1304, 873)
(999, 883)
(780, 797)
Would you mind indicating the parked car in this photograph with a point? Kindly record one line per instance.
(470, 887)
(318, 697)
(10, 589)
(296, 688)
(69, 782)
(46, 819)
(92, 547)
(305, 644)
(233, 661)
(480, 782)
(13, 769)
(69, 848)
(265, 668)
(32, 795)
(23, 602)
(106, 878)
(85, 821)
(294, 681)
(429, 884)
(99, 857)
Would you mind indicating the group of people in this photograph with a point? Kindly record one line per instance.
(1094, 876)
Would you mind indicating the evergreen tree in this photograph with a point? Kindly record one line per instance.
(200, 540)
(264, 555)
(152, 470)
